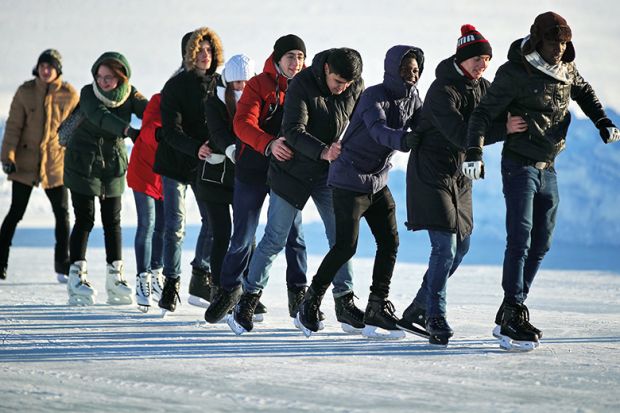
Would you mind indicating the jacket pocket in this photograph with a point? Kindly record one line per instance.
(80, 163)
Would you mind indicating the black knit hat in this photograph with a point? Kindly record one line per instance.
(184, 41)
(51, 56)
(550, 26)
(287, 43)
(471, 43)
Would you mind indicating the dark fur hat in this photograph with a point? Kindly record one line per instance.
(550, 26)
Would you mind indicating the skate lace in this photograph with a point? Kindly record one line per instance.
(169, 293)
(145, 288)
(525, 318)
(84, 281)
(440, 323)
(388, 308)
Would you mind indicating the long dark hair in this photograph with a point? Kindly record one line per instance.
(229, 98)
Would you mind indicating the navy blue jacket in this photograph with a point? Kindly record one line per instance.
(378, 128)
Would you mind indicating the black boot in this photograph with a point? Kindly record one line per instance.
(308, 315)
(170, 294)
(242, 319)
(295, 297)
(3, 269)
(500, 315)
(200, 288)
(439, 330)
(380, 312)
(222, 304)
(348, 314)
(414, 320)
(515, 333)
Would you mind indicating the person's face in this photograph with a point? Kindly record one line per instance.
(47, 72)
(292, 62)
(335, 83)
(409, 71)
(205, 56)
(476, 65)
(106, 79)
(552, 51)
(238, 85)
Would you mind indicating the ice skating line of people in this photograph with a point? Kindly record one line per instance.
(238, 136)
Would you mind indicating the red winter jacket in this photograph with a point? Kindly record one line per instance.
(257, 122)
(140, 175)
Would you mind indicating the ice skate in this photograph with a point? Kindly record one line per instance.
(143, 291)
(514, 334)
(498, 322)
(62, 278)
(169, 295)
(3, 270)
(413, 321)
(157, 284)
(259, 312)
(223, 302)
(119, 292)
(200, 294)
(61, 270)
(439, 331)
(380, 320)
(241, 319)
(307, 319)
(350, 317)
(78, 287)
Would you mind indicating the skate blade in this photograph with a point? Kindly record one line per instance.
(439, 341)
(414, 330)
(508, 344)
(144, 308)
(497, 332)
(379, 333)
(62, 278)
(81, 300)
(297, 322)
(198, 301)
(349, 329)
(258, 318)
(234, 326)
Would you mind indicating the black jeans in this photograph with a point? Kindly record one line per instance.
(59, 198)
(379, 210)
(219, 219)
(84, 211)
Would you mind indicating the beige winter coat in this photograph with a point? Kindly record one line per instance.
(31, 132)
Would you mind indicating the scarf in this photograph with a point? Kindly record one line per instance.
(559, 71)
(115, 97)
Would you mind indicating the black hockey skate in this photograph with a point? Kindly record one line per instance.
(500, 315)
(515, 334)
(259, 312)
(307, 319)
(439, 331)
(170, 295)
(222, 304)
(350, 317)
(200, 288)
(3, 271)
(295, 297)
(413, 321)
(380, 319)
(241, 321)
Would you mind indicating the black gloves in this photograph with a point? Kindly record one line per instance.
(608, 131)
(8, 167)
(159, 133)
(412, 141)
(133, 133)
(473, 154)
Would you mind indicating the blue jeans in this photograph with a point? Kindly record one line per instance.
(149, 240)
(447, 252)
(248, 200)
(280, 217)
(532, 201)
(174, 217)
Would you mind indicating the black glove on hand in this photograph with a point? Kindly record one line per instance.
(608, 131)
(159, 133)
(8, 167)
(133, 133)
(473, 154)
(412, 141)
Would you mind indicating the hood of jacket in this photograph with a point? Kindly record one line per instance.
(318, 71)
(116, 56)
(447, 70)
(193, 46)
(391, 66)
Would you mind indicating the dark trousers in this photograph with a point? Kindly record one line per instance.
(84, 211)
(221, 225)
(379, 210)
(59, 198)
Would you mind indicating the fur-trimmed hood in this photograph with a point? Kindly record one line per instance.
(191, 49)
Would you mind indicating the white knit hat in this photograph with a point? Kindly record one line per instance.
(239, 67)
